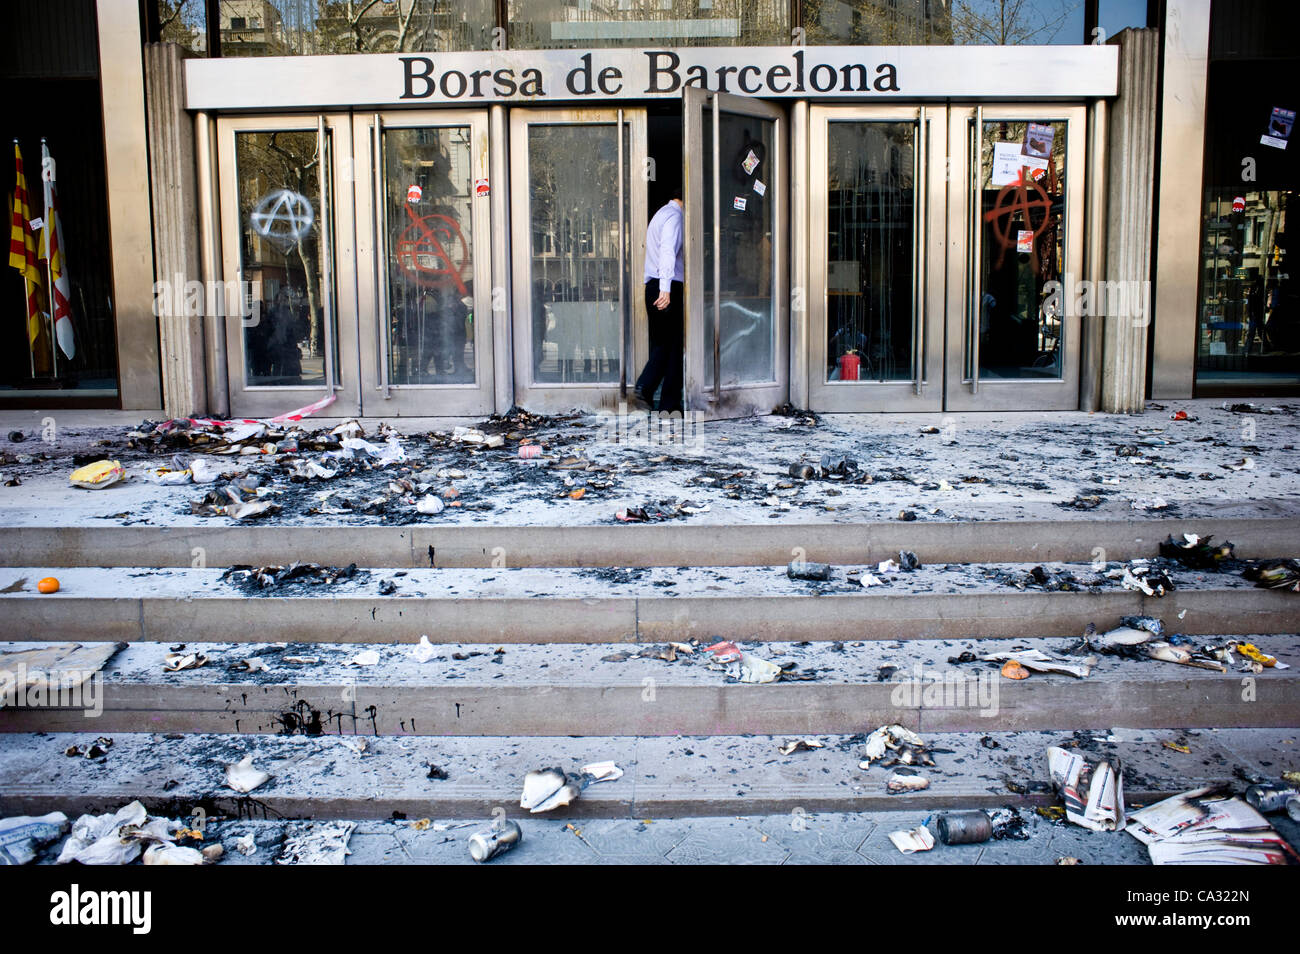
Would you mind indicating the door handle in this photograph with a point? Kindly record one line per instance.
(921, 218)
(623, 335)
(717, 253)
(326, 251)
(975, 251)
(383, 320)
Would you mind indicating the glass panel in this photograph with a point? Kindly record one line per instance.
(280, 248)
(430, 247)
(1249, 304)
(942, 22)
(1248, 339)
(556, 24)
(183, 22)
(870, 221)
(1116, 15)
(748, 317)
(575, 252)
(1023, 248)
(289, 27)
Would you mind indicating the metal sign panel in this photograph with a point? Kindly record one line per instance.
(573, 76)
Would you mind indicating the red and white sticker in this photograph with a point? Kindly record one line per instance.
(1239, 204)
(482, 187)
(413, 193)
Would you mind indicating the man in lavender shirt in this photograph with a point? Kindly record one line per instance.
(664, 272)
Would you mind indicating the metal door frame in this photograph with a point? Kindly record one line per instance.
(924, 390)
(547, 396)
(339, 287)
(961, 391)
(380, 397)
(741, 399)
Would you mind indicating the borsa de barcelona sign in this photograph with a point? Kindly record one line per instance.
(531, 76)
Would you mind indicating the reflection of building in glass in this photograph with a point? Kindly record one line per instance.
(586, 23)
(296, 27)
(878, 22)
(184, 22)
(397, 26)
(291, 27)
(252, 28)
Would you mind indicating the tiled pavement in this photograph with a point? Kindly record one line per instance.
(795, 839)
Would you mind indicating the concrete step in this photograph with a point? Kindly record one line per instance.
(533, 605)
(319, 777)
(1259, 530)
(571, 690)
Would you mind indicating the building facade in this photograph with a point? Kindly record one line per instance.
(439, 209)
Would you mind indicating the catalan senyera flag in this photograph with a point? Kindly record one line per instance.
(22, 253)
(52, 252)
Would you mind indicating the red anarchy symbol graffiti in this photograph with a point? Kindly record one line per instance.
(1012, 200)
(433, 252)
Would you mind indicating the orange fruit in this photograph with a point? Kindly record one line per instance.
(48, 585)
(1013, 670)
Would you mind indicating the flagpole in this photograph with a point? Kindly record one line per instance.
(49, 265)
(54, 345)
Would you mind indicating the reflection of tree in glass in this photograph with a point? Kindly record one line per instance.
(534, 23)
(877, 22)
(285, 160)
(403, 26)
(937, 22)
(369, 26)
(182, 22)
(1010, 22)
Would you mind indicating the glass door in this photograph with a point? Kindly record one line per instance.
(287, 253)
(736, 316)
(1016, 256)
(877, 227)
(578, 216)
(422, 237)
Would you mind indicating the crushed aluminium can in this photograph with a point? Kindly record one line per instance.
(490, 842)
(1270, 796)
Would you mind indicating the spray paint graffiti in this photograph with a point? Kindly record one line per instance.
(432, 251)
(1013, 200)
(284, 217)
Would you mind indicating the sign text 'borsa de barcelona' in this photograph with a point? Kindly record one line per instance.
(662, 73)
